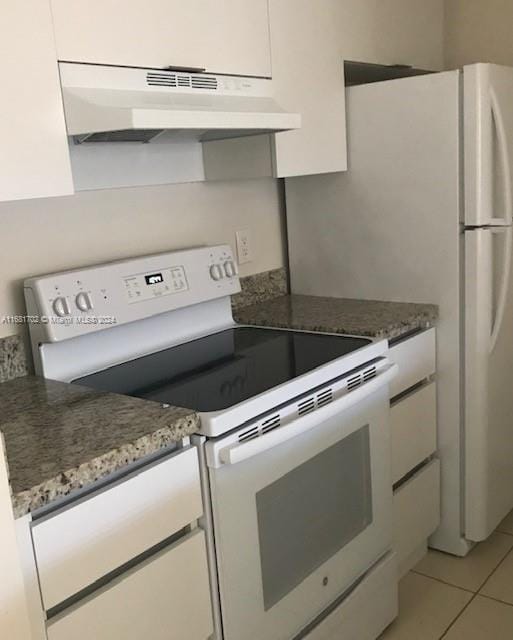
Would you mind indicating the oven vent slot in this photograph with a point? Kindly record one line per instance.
(271, 423)
(360, 378)
(368, 374)
(354, 382)
(249, 434)
(305, 406)
(324, 397)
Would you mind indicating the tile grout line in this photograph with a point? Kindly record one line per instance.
(508, 604)
(472, 594)
(447, 584)
(481, 585)
(475, 594)
(444, 634)
(491, 574)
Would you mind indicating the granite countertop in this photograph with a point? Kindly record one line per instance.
(340, 315)
(60, 437)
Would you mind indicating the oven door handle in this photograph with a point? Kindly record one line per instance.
(236, 453)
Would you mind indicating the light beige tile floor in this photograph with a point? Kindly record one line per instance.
(470, 572)
(506, 526)
(500, 584)
(459, 598)
(483, 619)
(427, 608)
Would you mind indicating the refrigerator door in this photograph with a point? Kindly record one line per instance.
(488, 134)
(488, 380)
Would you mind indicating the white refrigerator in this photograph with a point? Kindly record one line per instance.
(424, 214)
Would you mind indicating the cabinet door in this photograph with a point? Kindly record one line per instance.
(222, 36)
(308, 77)
(34, 158)
(165, 598)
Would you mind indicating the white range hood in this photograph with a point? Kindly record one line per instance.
(118, 104)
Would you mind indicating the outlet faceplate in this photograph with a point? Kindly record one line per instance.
(244, 252)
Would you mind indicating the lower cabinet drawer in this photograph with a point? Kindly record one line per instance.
(165, 598)
(351, 619)
(416, 358)
(416, 512)
(87, 540)
(413, 430)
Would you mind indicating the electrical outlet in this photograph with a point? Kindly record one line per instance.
(244, 253)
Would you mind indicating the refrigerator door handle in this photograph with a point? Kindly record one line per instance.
(478, 323)
(505, 160)
(503, 287)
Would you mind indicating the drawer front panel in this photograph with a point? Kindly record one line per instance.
(416, 511)
(350, 620)
(166, 598)
(416, 358)
(413, 429)
(89, 539)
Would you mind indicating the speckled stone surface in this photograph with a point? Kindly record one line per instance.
(13, 359)
(260, 288)
(60, 437)
(340, 315)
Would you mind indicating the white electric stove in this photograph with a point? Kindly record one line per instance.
(294, 439)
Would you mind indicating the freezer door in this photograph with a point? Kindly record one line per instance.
(488, 134)
(488, 435)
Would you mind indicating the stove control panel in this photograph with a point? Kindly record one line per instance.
(73, 303)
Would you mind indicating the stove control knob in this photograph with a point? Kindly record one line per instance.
(83, 301)
(216, 272)
(230, 269)
(61, 307)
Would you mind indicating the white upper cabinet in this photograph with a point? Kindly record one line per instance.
(308, 77)
(34, 157)
(221, 36)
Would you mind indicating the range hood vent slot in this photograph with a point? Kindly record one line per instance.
(191, 81)
(154, 79)
(203, 82)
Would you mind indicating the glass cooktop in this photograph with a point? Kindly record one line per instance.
(223, 369)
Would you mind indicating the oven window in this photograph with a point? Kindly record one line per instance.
(312, 512)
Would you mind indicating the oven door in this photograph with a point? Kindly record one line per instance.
(301, 512)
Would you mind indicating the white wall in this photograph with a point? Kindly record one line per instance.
(39, 236)
(478, 31)
(394, 32)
